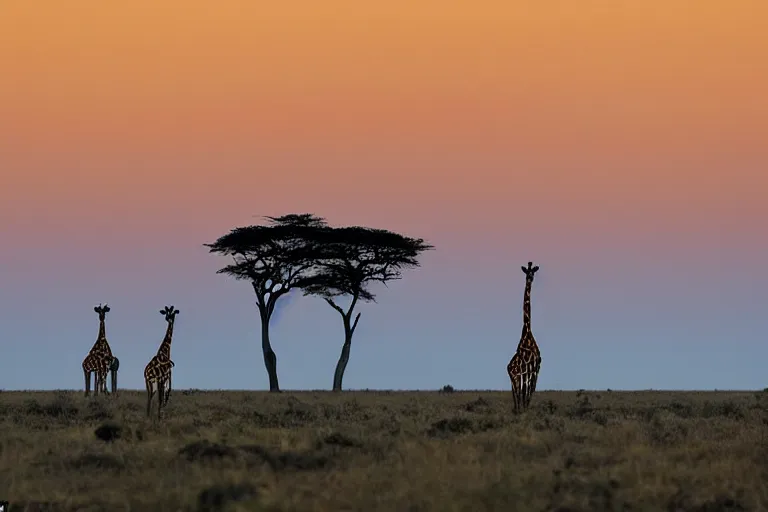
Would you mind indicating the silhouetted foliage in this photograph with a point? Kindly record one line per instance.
(348, 261)
(301, 251)
(274, 258)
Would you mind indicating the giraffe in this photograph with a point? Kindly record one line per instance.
(99, 358)
(157, 373)
(523, 368)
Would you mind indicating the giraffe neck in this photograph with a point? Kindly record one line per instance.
(101, 340)
(527, 308)
(164, 352)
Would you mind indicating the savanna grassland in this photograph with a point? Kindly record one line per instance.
(386, 451)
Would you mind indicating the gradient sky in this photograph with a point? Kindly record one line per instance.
(622, 146)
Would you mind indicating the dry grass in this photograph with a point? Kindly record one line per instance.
(387, 451)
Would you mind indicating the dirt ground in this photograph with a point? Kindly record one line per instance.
(386, 451)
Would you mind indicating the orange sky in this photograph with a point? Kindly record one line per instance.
(660, 102)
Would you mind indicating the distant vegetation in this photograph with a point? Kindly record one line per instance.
(385, 451)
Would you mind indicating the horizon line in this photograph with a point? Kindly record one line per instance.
(368, 390)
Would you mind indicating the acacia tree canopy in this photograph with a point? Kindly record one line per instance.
(275, 258)
(301, 251)
(348, 261)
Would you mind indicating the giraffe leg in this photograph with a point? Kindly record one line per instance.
(523, 388)
(150, 392)
(168, 391)
(534, 378)
(516, 391)
(160, 398)
(530, 388)
(521, 391)
(87, 375)
(514, 396)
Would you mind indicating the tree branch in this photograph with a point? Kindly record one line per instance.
(334, 306)
(259, 295)
(354, 325)
(273, 296)
(355, 296)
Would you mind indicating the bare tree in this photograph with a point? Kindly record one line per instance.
(275, 258)
(348, 261)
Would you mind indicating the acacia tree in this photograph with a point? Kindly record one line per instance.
(348, 261)
(275, 258)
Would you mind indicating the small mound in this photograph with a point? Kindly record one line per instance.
(109, 432)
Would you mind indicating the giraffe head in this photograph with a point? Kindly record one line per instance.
(102, 311)
(169, 313)
(529, 271)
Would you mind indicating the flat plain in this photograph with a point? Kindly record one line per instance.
(385, 451)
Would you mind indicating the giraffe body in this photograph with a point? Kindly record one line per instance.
(523, 368)
(157, 377)
(157, 373)
(98, 364)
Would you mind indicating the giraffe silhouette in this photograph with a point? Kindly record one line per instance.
(523, 368)
(99, 359)
(157, 373)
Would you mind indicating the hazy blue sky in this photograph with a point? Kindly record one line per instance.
(603, 317)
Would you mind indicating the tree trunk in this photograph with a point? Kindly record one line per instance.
(349, 331)
(341, 366)
(270, 359)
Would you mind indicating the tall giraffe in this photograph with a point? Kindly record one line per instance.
(523, 368)
(157, 373)
(99, 358)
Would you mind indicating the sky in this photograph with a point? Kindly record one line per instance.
(621, 146)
